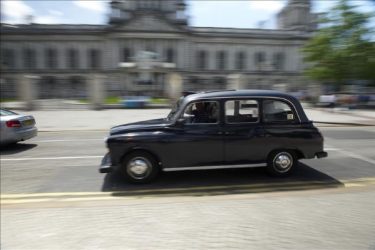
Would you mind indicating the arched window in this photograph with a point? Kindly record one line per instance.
(7, 58)
(29, 58)
(260, 58)
(51, 58)
(221, 59)
(126, 55)
(94, 58)
(202, 59)
(170, 55)
(278, 61)
(240, 60)
(73, 59)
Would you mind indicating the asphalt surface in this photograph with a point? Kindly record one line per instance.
(52, 197)
(67, 161)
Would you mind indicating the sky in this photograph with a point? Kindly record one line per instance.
(203, 13)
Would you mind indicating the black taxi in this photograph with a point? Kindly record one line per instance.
(213, 130)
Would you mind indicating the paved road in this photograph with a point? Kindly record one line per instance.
(68, 162)
(331, 206)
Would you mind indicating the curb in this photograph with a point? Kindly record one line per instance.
(9, 199)
(346, 124)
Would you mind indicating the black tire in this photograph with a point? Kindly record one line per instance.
(281, 163)
(139, 167)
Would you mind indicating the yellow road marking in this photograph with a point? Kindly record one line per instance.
(193, 191)
(208, 188)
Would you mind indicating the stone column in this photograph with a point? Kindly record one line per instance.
(96, 89)
(173, 88)
(27, 90)
(236, 81)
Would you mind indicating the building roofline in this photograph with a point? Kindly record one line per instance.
(195, 31)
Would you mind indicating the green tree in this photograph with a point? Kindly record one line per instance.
(343, 47)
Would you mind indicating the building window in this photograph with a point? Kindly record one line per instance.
(73, 58)
(94, 58)
(126, 55)
(202, 59)
(240, 60)
(221, 60)
(278, 61)
(260, 59)
(51, 58)
(170, 55)
(7, 58)
(29, 59)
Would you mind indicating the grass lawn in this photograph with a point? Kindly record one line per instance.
(8, 100)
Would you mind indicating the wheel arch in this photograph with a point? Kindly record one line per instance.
(142, 149)
(298, 153)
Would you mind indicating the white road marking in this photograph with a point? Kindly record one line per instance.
(351, 154)
(331, 149)
(69, 140)
(53, 158)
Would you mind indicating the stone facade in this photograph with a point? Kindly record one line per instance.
(144, 41)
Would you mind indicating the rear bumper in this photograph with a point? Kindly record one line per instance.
(16, 135)
(322, 154)
(27, 134)
(106, 165)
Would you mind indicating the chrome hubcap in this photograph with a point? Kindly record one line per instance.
(283, 162)
(138, 167)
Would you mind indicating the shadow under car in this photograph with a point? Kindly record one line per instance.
(219, 182)
(15, 148)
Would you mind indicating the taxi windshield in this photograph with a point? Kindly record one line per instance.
(174, 110)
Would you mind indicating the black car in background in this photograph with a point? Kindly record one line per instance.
(218, 129)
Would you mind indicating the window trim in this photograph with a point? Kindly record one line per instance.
(242, 99)
(202, 60)
(292, 108)
(200, 124)
(260, 97)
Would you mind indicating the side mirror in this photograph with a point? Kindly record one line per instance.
(180, 121)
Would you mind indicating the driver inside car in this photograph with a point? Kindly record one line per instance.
(201, 113)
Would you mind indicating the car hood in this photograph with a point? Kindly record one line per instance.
(139, 126)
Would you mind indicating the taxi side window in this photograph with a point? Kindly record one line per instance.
(241, 111)
(277, 111)
(202, 112)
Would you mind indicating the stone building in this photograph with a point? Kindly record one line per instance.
(143, 41)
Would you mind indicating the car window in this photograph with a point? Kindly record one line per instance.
(202, 112)
(277, 111)
(241, 111)
(6, 112)
(175, 108)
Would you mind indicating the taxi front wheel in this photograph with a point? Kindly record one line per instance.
(139, 167)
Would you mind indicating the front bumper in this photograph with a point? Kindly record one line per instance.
(321, 154)
(106, 165)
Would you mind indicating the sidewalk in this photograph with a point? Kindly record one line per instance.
(55, 120)
(300, 220)
(341, 116)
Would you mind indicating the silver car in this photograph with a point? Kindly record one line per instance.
(15, 127)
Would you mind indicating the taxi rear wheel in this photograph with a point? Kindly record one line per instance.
(281, 163)
(139, 167)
